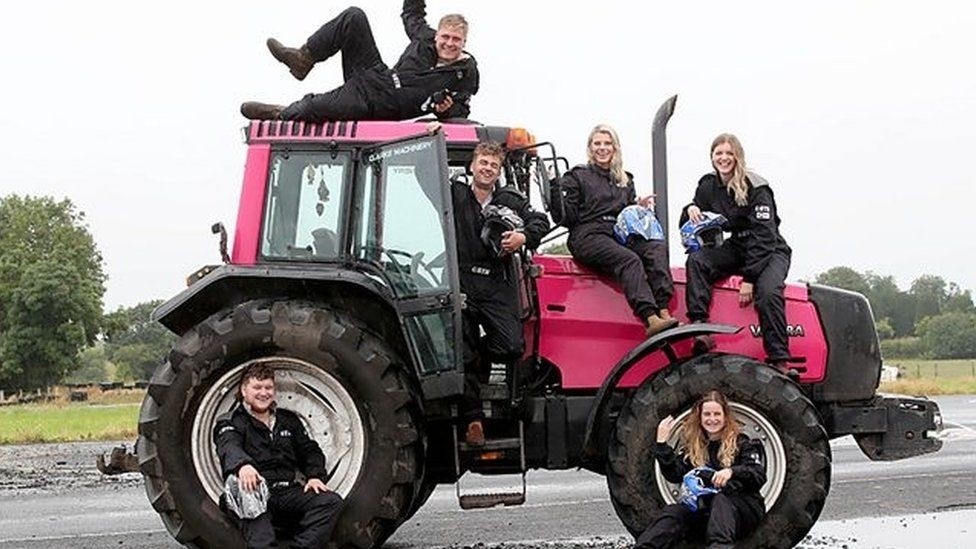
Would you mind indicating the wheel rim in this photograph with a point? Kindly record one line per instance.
(758, 427)
(326, 409)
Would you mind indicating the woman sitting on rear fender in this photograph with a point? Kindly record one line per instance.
(595, 194)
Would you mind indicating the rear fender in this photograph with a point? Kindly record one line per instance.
(660, 342)
(230, 285)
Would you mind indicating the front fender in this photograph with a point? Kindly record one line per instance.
(660, 342)
(230, 285)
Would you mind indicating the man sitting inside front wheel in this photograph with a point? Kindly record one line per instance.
(262, 448)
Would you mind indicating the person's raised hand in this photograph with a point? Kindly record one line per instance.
(694, 214)
(249, 477)
(721, 478)
(316, 486)
(664, 429)
(444, 105)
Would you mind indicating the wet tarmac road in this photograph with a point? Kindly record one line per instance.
(921, 502)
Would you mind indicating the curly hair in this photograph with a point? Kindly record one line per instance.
(490, 148)
(259, 371)
(695, 439)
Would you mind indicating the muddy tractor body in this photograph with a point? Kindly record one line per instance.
(343, 274)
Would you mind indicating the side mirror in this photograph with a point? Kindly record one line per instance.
(218, 228)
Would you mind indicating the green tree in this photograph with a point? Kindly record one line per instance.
(92, 366)
(845, 278)
(883, 326)
(949, 335)
(890, 303)
(133, 342)
(959, 300)
(930, 293)
(559, 248)
(51, 287)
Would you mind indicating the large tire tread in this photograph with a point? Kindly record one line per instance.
(264, 326)
(630, 474)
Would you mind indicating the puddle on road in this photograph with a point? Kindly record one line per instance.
(949, 529)
(946, 530)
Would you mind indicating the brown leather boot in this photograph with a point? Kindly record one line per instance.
(656, 325)
(252, 110)
(298, 60)
(475, 435)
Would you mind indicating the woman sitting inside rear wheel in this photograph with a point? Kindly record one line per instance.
(721, 471)
(756, 250)
(595, 195)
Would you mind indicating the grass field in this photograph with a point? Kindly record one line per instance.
(67, 422)
(934, 369)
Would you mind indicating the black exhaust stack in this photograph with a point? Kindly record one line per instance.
(659, 162)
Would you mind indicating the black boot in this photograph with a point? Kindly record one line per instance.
(298, 60)
(252, 110)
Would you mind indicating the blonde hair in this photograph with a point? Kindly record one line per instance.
(617, 172)
(695, 439)
(454, 21)
(737, 185)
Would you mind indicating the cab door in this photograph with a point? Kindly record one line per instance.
(405, 227)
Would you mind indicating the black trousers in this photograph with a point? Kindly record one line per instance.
(367, 91)
(641, 267)
(708, 265)
(492, 304)
(729, 518)
(313, 516)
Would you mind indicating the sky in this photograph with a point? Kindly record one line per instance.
(860, 114)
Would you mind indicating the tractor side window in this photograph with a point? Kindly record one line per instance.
(301, 218)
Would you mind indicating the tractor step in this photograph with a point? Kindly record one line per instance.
(484, 501)
(492, 449)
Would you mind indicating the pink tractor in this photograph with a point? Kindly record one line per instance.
(343, 274)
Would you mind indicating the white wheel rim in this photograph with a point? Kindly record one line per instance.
(325, 407)
(756, 426)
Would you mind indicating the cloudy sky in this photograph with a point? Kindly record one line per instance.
(859, 113)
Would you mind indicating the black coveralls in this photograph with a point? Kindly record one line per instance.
(591, 202)
(243, 439)
(756, 251)
(492, 298)
(730, 515)
(371, 91)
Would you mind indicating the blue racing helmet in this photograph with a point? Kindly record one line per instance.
(706, 233)
(696, 484)
(637, 220)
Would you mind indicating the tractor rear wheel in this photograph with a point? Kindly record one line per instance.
(350, 389)
(770, 408)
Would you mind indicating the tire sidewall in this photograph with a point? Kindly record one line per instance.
(635, 494)
(294, 330)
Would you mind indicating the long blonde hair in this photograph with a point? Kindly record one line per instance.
(695, 440)
(617, 172)
(737, 184)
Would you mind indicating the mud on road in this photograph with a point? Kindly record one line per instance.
(57, 467)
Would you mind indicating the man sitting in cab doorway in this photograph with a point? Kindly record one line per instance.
(491, 223)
